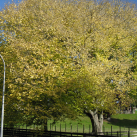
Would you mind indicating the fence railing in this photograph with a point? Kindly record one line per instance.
(31, 133)
(23, 132)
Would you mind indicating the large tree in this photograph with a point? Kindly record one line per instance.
(35, 62)
(101, 49)
(67, 56)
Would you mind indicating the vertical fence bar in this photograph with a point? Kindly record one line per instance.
(19, 130)
(111, 130)
(77, 129)
(71, 130)
(13, 132)
(60, 129)
(103, 129)
(128, 132)
(117, 133)
(50, 126)
(26, 127)
(55, 127)
(83, 128)
(34, 127)
(65, 127)
(50, 132)
(120, 130)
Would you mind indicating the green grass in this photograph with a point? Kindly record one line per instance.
(123, 121)
(72, 125)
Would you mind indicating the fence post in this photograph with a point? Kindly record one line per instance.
(89, 129)
(65, 127)
(71, 130)
(60, 129)
(55, 127)
(117, 133)
(26, 128)
(50, 126)
(111, 130)
(13, 132)
(19, 130)
(128, 132)
(83, 128)
(77, 129)
(120, 130)
(103, 129)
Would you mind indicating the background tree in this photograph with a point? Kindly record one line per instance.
(102, 45)
(35, 61)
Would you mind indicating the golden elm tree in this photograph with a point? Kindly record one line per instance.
(67, 56)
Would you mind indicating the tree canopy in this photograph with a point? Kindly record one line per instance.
(67, 56)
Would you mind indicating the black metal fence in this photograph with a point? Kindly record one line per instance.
(11, 132)
(24, 132)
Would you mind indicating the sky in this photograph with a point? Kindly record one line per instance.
(3, 2)
(131, 1)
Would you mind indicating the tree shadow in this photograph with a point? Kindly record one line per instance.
(123, 123)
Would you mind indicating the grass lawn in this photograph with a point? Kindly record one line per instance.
(72, 125)
(123, 121)
(83, 124)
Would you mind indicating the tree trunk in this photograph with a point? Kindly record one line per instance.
(96, 120)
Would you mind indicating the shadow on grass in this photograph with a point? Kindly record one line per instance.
(124, 123)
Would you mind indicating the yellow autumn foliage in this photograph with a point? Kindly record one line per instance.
(61, 54)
